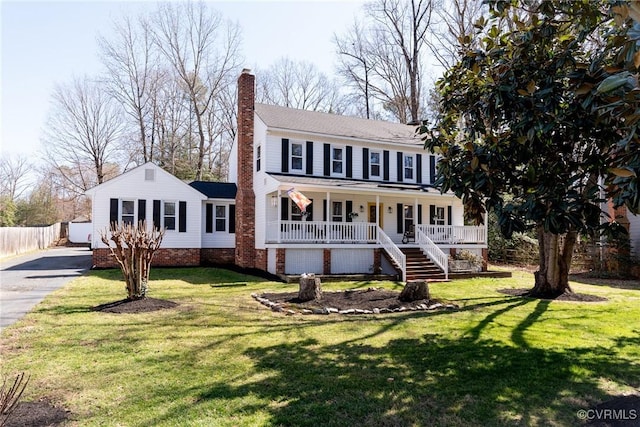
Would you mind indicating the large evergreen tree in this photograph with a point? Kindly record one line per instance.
(529, 114)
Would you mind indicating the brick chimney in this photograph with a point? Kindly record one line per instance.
(245, 255)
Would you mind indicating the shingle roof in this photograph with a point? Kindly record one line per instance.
(333, 124)
(215, 190)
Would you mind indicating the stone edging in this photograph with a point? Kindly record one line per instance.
(328, 310)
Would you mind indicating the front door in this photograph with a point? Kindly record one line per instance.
(373, 215)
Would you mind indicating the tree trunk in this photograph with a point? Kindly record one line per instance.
(310, 288)
(552, 277)
(414, 291)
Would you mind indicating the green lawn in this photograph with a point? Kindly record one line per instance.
(221, 359)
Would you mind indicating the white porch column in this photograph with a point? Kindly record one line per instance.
(378, 210)
(278, 215)
(326, 225)
(415, 214)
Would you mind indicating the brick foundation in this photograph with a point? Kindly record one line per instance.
(165, 257)
(261, 261)
(280, 260)
(326, 261)
(213, 256)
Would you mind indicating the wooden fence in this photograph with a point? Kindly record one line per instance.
(19, 240)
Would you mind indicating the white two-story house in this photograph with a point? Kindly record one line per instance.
(373, 207)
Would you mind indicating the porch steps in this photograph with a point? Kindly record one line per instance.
(420, 267)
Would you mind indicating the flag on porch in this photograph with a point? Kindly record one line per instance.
(299, 199)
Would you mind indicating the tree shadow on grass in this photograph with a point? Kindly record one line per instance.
(431, 380)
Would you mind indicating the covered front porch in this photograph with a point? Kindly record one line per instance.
(355, 217)
(312, 232)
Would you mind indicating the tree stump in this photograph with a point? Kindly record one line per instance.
(414, 291)
(310, 288)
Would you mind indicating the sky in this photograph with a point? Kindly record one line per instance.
(44, 43)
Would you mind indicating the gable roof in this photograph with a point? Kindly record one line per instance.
(148, 165)
(335, 125)
(215, 190)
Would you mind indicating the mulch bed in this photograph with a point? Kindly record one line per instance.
(567, 296)
(143, 305)
(360, 301)
(36, 414)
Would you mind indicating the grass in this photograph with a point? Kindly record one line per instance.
(221, 359)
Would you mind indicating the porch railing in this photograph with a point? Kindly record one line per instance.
(320, 231)
(454, 234)
(433, 252)
(394, 252)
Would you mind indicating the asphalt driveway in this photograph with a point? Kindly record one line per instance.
(27, 279)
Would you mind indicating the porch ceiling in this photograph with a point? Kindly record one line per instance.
(351, 186)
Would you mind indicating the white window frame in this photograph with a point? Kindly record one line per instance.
(223, 218)
(174, 216)
(406, 168)
(342, 161)
(132, 214)
(302, 157)
(440, 217)
(371, 164)
(408, 219)
(258, 158)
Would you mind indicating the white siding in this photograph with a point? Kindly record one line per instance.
(271, 261)
(303, 261)
(217, 239)
(132, 185)
(351, 261)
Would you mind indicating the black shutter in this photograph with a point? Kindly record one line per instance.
(400, 217)
(448, 215)
(113, 212)
(400, 169)
(310, 211)
(284, 208)
(324, 210)
(182, 220)
(432, 169)
(419, 168)
(385, 160)
(365, 163)
(156, 214)
(309, 157)
(419, 214)
(327, 160)
(208, 218)
(142, 210)
(432, 214)
(349, 161)
(285, 155)
(349, 207)
(232, 218)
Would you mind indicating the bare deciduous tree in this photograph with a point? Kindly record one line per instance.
(133, 75)
(389, 59)
(14, 172)
(202, 51)
(454, 29)
(298, 84)
(82, 133)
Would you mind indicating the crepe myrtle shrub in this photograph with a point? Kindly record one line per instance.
(538, 124)
(133, 248)
(10, 394)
